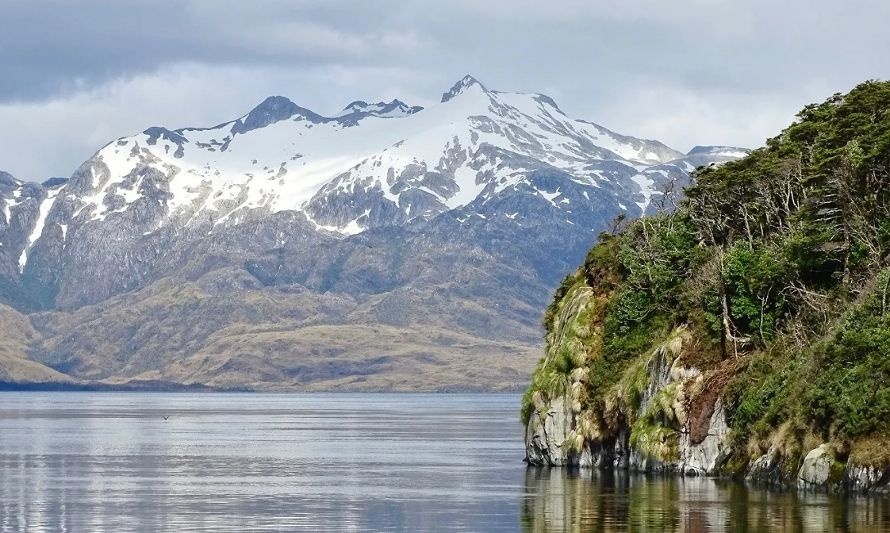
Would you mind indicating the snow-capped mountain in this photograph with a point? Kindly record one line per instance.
(363, 169)
(393, 207)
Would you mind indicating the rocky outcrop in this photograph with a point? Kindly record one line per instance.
(816, 468)
(676, 342)
(767, 469)
(552, 440)
(708, 455)
(820, 469)
(677, 425)
(547, 439)
(866, 478)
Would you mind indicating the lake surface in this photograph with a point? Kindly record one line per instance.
(342, 462)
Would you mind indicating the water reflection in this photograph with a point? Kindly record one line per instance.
(573, 500)
(256, 462)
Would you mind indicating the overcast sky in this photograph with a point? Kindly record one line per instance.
(75, 75)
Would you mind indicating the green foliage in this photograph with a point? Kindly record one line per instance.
(655, 441)
(804, 247)
(569, 321)
(653, 256)
(849, 385)
(527, 406)
(552, 377)
(601, 267)
(627, 325)
(780, 259)
(758, 395)
(633, 384)
(564, 286)
(837, 386)
(754, 276)
(655, 433)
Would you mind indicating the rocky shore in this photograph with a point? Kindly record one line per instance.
(700, 446)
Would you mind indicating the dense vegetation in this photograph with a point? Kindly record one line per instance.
(772, 273)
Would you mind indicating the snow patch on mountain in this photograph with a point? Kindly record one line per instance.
(646, 189)
(37, 231)
(722, 151)
(9, 203)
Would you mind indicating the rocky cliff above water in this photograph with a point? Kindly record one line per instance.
(746, 334)
(697, 447)
(702, 446)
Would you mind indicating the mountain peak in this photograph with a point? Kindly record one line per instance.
(271, 110)
(357, 105)
(275, 105)
(461, 86)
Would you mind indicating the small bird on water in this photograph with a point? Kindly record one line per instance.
(166, 417)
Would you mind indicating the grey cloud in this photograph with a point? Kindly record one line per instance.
(688, 72)
(49, 45)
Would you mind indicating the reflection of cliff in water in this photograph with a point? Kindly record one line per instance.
(560, 499)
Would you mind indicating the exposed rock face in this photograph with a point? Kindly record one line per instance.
(707, 456)
(820, 469)
(547, 437)
(551, 441)
(860, 478)
(767, 469)
(816, 468)
(551, 437)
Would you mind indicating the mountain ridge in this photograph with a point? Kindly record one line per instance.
(370, 215)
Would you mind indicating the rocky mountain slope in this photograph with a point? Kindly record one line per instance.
(747, 333)
(446, 226)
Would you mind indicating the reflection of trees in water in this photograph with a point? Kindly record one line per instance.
(560, 499)
(563, 500)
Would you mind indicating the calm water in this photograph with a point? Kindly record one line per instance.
(236, 462)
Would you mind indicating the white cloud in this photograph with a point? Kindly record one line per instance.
(685, 118)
